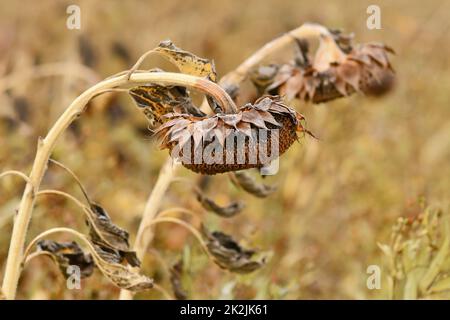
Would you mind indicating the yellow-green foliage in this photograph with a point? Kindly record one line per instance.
(418, 256)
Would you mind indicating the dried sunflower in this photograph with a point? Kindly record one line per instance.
(334, 71)
(251, 138)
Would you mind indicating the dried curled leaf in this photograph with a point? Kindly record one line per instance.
(238, 141)
(107, 243)
(176, 273)
(337, 69)
(123, 276)
(187, 62)
(229, 255)
(224, 211)
(156, 100)
(106, 234)
(67, 254)
(250, 185)
(106, 260)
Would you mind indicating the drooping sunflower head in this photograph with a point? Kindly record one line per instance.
(337, 69)
(251, 138)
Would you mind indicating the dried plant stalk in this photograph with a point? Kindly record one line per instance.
(306, 30)
(46, 145)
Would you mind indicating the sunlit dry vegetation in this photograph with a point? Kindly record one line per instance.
(365, 137)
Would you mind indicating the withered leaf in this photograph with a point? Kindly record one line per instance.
(176, 273)
(156, 100)
(106, 234)
(66, 254)
(228, 254)
(107, 261)
(187, 62)
(249, 184)
(224, 211)
(122, 276)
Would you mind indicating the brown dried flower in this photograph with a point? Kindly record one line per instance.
(333, 72)
(230, 142)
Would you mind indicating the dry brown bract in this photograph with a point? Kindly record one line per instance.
(234, 141)
(333, 73)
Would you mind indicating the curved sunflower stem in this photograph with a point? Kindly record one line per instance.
(33, 255)
(307, 30)
(15, 173)
(47, 144)
(184, 224)
(63, 194)
(177, 210)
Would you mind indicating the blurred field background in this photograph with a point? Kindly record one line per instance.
(338, 196)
